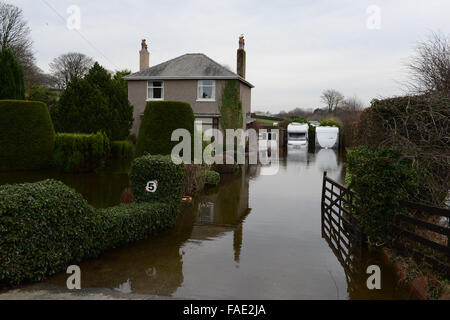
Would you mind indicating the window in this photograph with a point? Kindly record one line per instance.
(155, 90)
(206, 90)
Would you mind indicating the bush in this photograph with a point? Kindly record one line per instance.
(45, 95)
(169, 177)
(194, 179)
(212, 178)
(381, 177)
(161, 118)
(95, 103)
(11, 77)
(80, 152)
(26, 135)
(46, 226)
(330, 123)
(122, 149)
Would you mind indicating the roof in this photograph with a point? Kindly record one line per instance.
(194, 66)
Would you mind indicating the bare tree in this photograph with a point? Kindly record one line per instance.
(332, 99)
(353, 104)
(15, 35)
(68, 66)
(430, 66)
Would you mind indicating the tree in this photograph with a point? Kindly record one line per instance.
(332, 98)
(69, 66)
(353, 104)
(42, 94)
(95, 103)
(15, 35)
(11, 77)
(430, 67)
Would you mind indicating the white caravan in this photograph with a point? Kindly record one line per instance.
(327, 137)
(297, 134)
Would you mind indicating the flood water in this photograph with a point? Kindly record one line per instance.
(256, 236)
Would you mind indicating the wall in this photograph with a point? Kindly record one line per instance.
(182, 90)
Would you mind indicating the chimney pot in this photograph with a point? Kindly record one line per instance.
(241, 58)
(144, 56)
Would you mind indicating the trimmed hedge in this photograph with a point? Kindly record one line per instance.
(161, 118)
(26, 135)
(11, 77)
(212, 178)
(80, 152)
(122, 149)
(46, 226)
(381, 177)
(169, 176)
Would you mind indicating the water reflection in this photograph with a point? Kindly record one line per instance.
(256, 236)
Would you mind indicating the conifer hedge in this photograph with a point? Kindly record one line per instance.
(26, 135)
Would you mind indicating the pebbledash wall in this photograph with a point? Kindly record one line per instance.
(185, 90)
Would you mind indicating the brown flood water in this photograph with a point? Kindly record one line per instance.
(255, 236)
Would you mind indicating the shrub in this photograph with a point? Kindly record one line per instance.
(131, 222)
(46, 226)
(45, 95)
(122, 149)
(231, 106)
(80, 152)
(212, 178)
(194, 179)
(95, 103)
(161, 118)
(11, 77)
(26, 135)
(168, 175)
(330, 123)
(381, 177)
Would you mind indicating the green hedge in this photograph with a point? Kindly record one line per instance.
(80, 152)
(161, 118)
(26, 135)
(122, 149)
(46, 226)
(212, 178)
(169, 176)
(381, 177)
(330, 123)
(11, 77)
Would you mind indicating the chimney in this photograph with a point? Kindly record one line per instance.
(241, 57)
(144, 56)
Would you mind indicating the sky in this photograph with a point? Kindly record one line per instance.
(295, 49)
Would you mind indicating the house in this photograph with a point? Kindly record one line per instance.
(193, 78)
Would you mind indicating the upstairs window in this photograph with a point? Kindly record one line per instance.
(155, 90)
(206, 90)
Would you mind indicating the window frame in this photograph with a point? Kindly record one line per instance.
(199, 85)
(153, 87)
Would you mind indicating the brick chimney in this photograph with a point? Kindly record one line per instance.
(144, 56)
(241, 57)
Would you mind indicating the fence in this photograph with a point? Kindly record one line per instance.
(342, 229)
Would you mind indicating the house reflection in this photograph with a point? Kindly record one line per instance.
(224, 210)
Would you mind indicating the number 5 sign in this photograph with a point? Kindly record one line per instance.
(151, 186)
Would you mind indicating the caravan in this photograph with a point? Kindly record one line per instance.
(297, 134)
(327, 137)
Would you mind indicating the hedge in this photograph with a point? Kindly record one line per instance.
(26, 135)
(46, 226)
(381, 177)
(169, 178)
(122, 149)
(12, 84)
(161, 118)
(212, 178)
(80, 152)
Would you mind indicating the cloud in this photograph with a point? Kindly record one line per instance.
(295, 49)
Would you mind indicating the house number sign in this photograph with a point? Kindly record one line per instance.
(151, 186)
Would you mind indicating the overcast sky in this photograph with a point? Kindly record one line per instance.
(295, 49)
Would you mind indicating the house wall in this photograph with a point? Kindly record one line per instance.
(182, 90)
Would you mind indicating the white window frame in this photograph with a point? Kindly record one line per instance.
(152, 87)
(199, 85)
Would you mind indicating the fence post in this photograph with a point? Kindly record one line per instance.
(322, 205)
